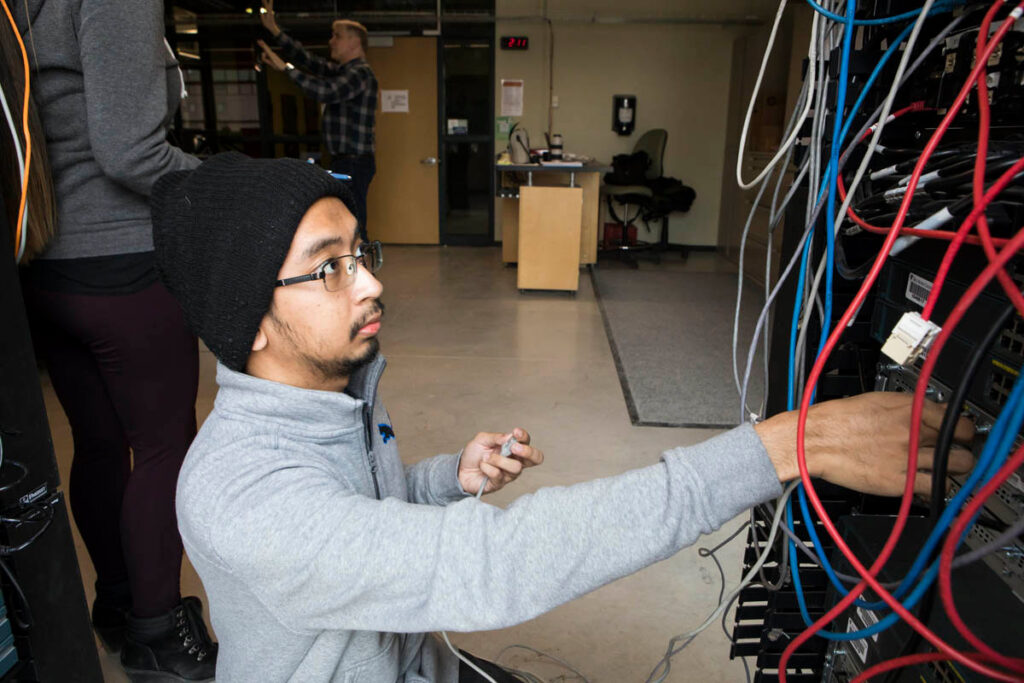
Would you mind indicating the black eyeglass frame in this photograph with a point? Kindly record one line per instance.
(359, 257)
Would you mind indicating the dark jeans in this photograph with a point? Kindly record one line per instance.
(467, 675)
(126, 370)
(362, 169)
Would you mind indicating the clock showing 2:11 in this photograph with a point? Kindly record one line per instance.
(515, 42)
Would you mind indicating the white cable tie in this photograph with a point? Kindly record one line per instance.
(925, 179)
(884, 173)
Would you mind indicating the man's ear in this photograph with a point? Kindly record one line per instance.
(261, 340)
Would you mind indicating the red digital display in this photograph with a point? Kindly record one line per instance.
(515, 42)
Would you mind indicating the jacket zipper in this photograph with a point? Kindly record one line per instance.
(369, 450)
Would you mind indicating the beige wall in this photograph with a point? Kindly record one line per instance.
(679, 72)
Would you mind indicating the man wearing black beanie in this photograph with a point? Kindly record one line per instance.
(323, 557)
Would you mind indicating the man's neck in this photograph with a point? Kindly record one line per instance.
(292, 375)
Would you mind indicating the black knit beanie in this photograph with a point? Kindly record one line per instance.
(221, 233)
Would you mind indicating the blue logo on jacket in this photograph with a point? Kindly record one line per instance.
(386, 433)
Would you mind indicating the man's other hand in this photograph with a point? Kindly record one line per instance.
(862, 442)
(482, 458)
(268, 17)
(270, 57)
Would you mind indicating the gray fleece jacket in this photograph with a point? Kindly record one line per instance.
(107, 88)
(325, 559)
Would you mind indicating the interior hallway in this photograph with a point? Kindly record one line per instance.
(466, 353)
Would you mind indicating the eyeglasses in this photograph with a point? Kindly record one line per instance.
(340, 272)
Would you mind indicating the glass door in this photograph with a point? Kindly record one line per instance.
(466, 119)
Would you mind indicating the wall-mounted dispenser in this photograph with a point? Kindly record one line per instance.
(623, 113)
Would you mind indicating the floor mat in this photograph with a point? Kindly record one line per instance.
(671, 335)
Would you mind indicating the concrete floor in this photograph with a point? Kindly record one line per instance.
(466, 352)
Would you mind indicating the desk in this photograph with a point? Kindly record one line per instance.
(549, 221)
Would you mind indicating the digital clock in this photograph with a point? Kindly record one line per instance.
(515, 43)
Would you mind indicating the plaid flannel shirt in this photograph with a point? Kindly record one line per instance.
(348, 92)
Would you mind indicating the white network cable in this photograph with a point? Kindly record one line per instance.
(812, 54)
(745, 411)
(542, 654)
(466, 661)
(744, 408)
(666, 661)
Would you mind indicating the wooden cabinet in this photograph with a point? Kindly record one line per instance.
(549, 237)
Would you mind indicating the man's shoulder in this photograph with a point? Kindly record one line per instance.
(358, 64)
(220, 441)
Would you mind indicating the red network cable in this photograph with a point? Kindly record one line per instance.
(869, 575)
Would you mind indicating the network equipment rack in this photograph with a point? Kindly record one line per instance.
(888, 171)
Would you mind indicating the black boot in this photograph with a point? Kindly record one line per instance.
(170, 648)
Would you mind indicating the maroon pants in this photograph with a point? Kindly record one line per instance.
(125, 369)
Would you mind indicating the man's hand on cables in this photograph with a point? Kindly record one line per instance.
(862, 443)
(482, 458)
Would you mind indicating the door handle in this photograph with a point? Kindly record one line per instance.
(430, 161)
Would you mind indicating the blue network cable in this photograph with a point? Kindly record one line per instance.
(851, 7)
(878, 627)
(837, 143)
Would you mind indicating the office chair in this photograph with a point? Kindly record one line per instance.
(640, 197)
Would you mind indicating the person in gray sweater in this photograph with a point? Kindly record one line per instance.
(323, 556)
(122, 361)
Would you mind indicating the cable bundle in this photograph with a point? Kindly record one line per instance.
(909, 195)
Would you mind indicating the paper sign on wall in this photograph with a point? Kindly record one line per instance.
(394, 101)
(511, 97)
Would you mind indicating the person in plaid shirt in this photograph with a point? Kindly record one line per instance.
(347, 87)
